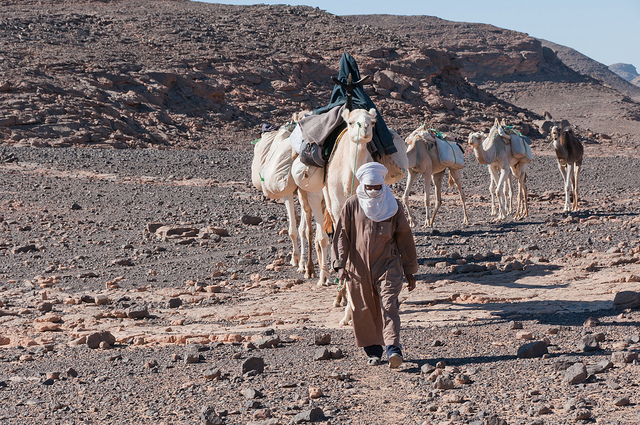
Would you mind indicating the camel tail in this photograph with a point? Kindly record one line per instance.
(451, 182)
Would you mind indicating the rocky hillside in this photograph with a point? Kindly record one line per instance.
(533, 74)
(585, 65)
(187, 74)
(624, 70)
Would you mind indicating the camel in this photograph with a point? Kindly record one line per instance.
(349, 153)
(569, 152)
(423, 159)
(496, 154)
(521, 155)
(506, 188)
(271, 173)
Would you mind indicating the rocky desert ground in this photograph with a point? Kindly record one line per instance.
(143, 279)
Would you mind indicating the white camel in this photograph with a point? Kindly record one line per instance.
(349, 153)
(423, 159)
(569, 152)
(496, 154)
(507, 192)
(520, 156)
(271, 173)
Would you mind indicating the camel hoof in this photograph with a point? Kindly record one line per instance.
(345, 322)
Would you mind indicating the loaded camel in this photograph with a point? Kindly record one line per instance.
(271, 173)
(477, 138)
(423, 159)
(521, 152)
(569, 152)
(495, 153)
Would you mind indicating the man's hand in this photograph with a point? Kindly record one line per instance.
(411, 282)
(342, 274)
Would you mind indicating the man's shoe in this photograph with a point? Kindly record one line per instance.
(395, 360)
(373, 361)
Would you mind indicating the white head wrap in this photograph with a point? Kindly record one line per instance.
(383, 206)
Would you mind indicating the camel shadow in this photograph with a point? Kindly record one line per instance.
(571, 321)
(566, 313)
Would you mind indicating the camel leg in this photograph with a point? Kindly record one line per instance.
(520, 206)
(492, 188)
(525, 194)
(456, 175)
(437, 183)
(500, 194)
(499, 190)
(341, 298)
(293, 229)
(518, 173)
(427, 198)
(508, 187)
(566, 180)
(567, 187)
(306, 237)
(348, 310)
(321, 237)
(411, 178)
(576, 171)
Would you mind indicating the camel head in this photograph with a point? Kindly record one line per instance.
(297, 116)
(360, 124)
(475, 139)
(499, 128)
(555, 132)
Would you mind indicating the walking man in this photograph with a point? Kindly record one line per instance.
(373, 248)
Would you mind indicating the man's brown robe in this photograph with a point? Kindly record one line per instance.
(375, 255)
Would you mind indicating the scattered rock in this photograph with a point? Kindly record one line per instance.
(575, 374)
(138, 313)
(623, 357)
(591, 322)
(323, 339)
(622, 401)
(589, 343)
(253, 364)
(212, 373)
(250, 220)
(95, 339)
(209, 416)
(627, 300)
(532, 350)
(313, 415)
(443, 383)
(321, 354)
(515, 325)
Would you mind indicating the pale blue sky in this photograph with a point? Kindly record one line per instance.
(607, 31)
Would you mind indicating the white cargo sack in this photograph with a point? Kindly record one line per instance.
(276, 169)
(296, 140)
(449, 154)
(397, 163)
(310, 179)
(520, 149)
(261, 152)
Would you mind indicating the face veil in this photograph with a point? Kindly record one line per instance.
(377, 205)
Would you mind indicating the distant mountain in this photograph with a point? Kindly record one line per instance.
(530, 73)
(587, 66)
(625, 70)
